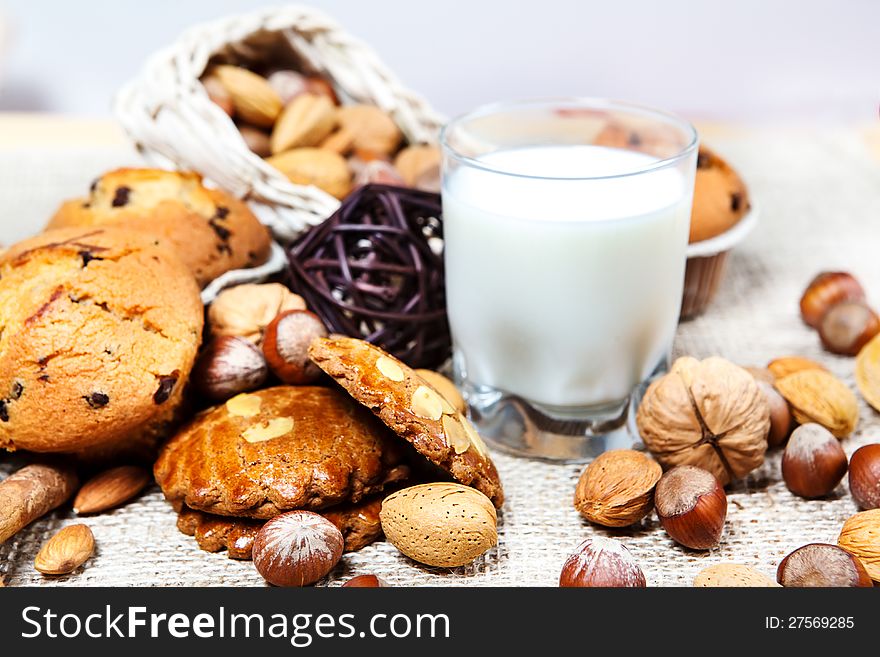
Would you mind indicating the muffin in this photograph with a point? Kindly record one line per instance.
(211, 231)
(99, 328)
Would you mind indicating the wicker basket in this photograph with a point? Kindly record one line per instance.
(167, 112)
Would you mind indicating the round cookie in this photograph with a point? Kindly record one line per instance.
(212, 231)
(412, 408)
(282, 448)
(720, 197)
(99, 329)
(359, 524)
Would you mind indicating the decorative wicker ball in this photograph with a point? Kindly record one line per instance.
(374, 269)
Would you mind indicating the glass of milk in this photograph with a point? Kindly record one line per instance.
(565, 225)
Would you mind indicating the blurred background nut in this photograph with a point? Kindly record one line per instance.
(445, 387)
(286, 346)
(780, 415)
(732, 575)
(868, 372)
(708, 413)
(377, 171)
(256, 140)
(601, 562)
(374, 131)
(861, 536)
(822, 565)
(253, 99)
(246, 310)
(315, 166)
(228, 365)
(287, 84)
(617, 488)
(417, 163)
(814, 463)
(782, 367)
(306, 121)
(691, 506)
(864, 476)
(819, 396)
(826, 290)
(847, 327)
(218, 94)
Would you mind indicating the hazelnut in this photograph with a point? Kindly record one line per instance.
(601, 562)
(617, 488)
(365, 581)
(286, 346)
(256, 140)
(813, 462)
(847, 327)
(227, 366)
(823, 565)
(318, 85)
(377, 171)
(287, 84)
(246, 310)
(861, 536)
(297, 548)
(826, 290)
(692, 506)
(864, 476)
(780, 415)
(708, 413)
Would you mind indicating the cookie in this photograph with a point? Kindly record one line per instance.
(412, 408)
(99, 329)
(359, 524)
(720, 197)
(282, 448)
(212, 231)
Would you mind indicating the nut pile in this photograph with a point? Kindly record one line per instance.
(298, 125)
(709, 423)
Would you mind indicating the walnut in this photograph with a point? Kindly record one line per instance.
(246, 310)
(707, 413)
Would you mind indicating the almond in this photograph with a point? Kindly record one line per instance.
(426, 403)
(274, 428)
(617, 488)
(341, 141)
(732, 575)
(417, 162)
(306, 121)
(868, 372)
(389, 368)
(374, 131)
(782, 367)
(66, 551)
(110, 489)
(315, 166)
(254, 100)
(445, 387)
(818, 396)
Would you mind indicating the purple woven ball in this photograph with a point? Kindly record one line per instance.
(374, 270)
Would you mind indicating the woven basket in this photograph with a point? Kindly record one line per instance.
(168, 114)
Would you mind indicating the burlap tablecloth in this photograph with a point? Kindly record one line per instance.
(819, 194)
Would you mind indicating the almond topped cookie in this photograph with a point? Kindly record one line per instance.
(412, 408)
(274, 450)
(211, 230)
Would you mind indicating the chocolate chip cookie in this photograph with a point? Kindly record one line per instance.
(720, 197)
(412, 408)
(278, 449)
(212, 231)
(359, 524)
(99, 328)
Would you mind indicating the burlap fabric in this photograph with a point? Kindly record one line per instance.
(819, 194)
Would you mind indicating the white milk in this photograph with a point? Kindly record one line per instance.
(564, 292)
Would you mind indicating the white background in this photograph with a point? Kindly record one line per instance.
(755, 60)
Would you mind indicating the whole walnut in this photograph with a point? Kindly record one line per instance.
(708, 413)
(246, 310)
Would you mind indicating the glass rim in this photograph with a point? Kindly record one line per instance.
(585, 102)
